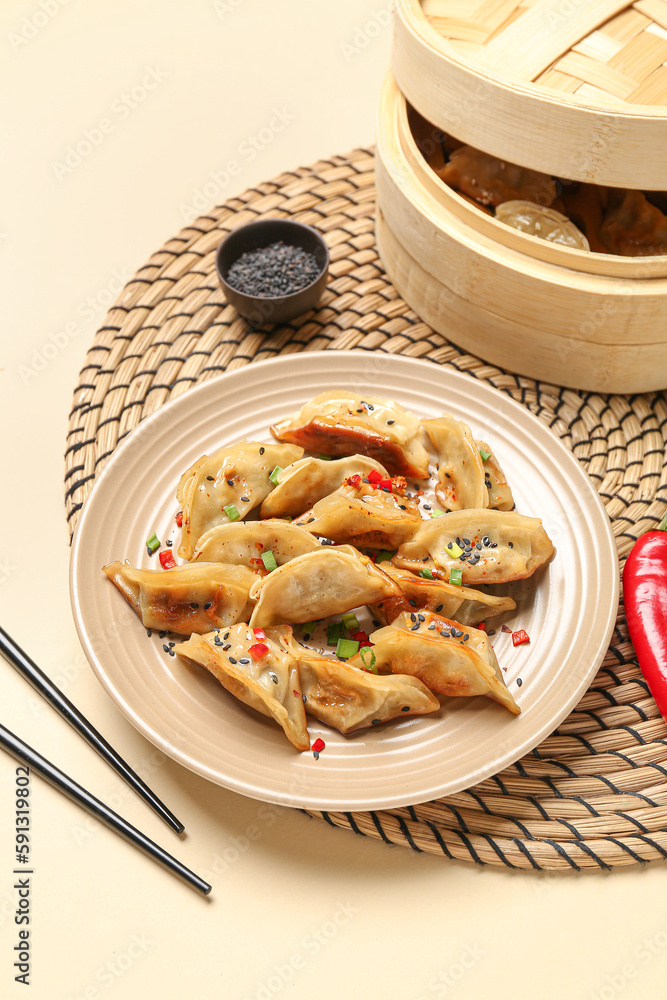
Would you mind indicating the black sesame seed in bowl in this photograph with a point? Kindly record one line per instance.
(273, 270)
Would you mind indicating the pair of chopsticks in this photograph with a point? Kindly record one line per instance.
(22, 752)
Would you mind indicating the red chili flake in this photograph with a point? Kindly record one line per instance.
(167, 560)
(318, 745)
(295, 693)
(260, 634)
(354, 481)
(481, 626)
(259, 650)
(360, 636)
(258, 561)
(505, 628)
(374, 477)
(518, 638)
(179, 519)
(386, 484)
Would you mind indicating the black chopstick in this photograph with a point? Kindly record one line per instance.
(71, 788)
(48, 690)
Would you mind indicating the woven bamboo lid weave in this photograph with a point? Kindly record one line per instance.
(594, 793)
(576, 88)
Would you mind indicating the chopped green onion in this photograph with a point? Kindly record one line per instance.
(456, 577)
(351, 622)
(153, 544)
(347, 648)
(269, 561)
(326, 458)
(273, 476)
(335, 631)
(231, 510)
(663, 524)
(454, 550)
(309, 627)
(437, 513)
(484, 454)
(426, 573)
(385, 555)
(363, 653)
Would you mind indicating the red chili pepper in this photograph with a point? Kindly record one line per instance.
(318, 745)
(645, 596)
(481, 626)
(374, 477)
(360, 636)
(354, 481)
(518, 638)
(386, 484)
(167, 560)
(260, 634)
(259, 650)
(179, 519)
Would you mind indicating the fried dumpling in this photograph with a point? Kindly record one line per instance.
(349, 699)
(303, 483)
(499, 494)
(244, 542)
(365, 514)
(545, 223)
(235, 476)
(492, 181)
(461, 479)
(488, 546)
(187, 598)
(327, 582)
(449, 660)
(339, 422)
(257, 670)
(463, 604)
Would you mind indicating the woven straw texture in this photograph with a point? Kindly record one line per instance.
(623, 59)
(592, 795)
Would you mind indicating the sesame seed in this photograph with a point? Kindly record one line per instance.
(426, 506)
(376, 623)
(217, 640)
(478, 545)
(245, 499)
(491, 631)
(274, 677)
(412, 603)
(172, 643)
(162, 634)
(466, 636)
(415, 627)
(413, 617)
(262, 450)
(172, 653)
(406, 708)
(194, 605)
(421, 618)
(466, 541)
(304, 699)
(226, 636)
(230, 482)
(244, 659)
(148, 633)
(402, 506)
(165, 647)
(232, 660)
(211, 479)
(519, 682)
(439, 607)
(391, 421)
(431, 626)
(227, 646)
(375, 722)
(511, 544)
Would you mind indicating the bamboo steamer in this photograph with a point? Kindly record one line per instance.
(575, 88)
(566, 316)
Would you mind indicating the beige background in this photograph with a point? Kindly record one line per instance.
(298, 909)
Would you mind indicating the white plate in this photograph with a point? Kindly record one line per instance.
(568, 608)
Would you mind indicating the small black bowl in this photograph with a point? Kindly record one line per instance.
(258, 309)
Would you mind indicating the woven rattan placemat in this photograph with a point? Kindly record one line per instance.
(594, 794)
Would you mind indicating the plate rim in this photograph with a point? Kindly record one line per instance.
(315, 802)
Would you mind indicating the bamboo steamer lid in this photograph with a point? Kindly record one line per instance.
(574, 88)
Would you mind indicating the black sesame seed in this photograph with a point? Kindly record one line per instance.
(446, 634)
(226, 636)
(211, 479)
(194, 605)
(448, 475)
(421, 618)
(162, 634)
(172, 643)
(172, 653)
(230, 482)
(431, 626)
(466, 636)
(227, 646)
(491, 631)
(426, 506)
(244, 659)
(412, 602)
(245, 499)
(439, 607)
(478, 545)
(375, 722)
(415, 627)
(316, 754)
(402, 506)
(466, 541)
(232, 660)
(376, 623)
(310, 520)
(274, 677)
(413, 617)
(304, 699)
(511, 544)
(262, 450)
(485, 540)
(217, 640)
(391, 421)
(493, 545)
(165, 647)
(463, 557)
(148, 633)
(406, 708)
(273, 271)
(519, 682)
